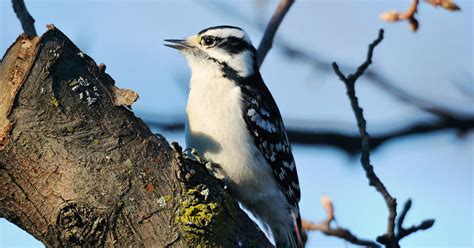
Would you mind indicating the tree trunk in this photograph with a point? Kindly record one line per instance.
(77, 170)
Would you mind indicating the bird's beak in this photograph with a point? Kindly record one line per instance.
(178, 44)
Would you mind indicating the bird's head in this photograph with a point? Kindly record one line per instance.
(218, 46)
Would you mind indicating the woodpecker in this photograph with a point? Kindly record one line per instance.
(233, 121)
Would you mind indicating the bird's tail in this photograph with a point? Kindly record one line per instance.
(298, 229)
(291, 236)
(288, 233)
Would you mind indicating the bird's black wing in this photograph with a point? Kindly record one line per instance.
(264, 122)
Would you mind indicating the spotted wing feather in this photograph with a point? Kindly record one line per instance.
(264, 122)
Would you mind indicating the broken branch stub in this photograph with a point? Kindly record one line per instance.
(13, 68)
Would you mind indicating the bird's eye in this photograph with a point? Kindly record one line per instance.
(208, 41)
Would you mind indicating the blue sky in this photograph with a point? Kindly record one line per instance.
(436, 170)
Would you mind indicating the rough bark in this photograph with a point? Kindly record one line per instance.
(76, 170)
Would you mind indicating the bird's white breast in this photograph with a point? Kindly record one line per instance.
(216, 128)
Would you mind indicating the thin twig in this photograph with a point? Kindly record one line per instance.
(269, 35)
(388, 238)
(27, 21)
(426, 224)
(403, 232)
(325, 227)
(403, 214)
(339, 232)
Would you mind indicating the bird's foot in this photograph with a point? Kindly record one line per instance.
(193, 154)
(214, 168)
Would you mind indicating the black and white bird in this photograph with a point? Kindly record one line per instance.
(233, 121)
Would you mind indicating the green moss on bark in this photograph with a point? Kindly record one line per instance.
(205, 216)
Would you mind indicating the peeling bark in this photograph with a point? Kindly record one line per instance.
(79, 171)
(12, 71)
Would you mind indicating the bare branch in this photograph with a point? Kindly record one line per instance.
(403, 214)
(351, 144)
(389, 237)
(426, 224)
(403, 232)
(268, 36)
(27, 21)
(325, 227)
(346, 141)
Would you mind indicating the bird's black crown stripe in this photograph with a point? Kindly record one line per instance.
(218, 27)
